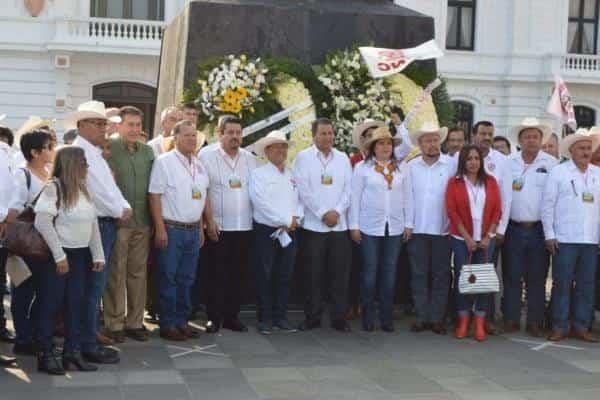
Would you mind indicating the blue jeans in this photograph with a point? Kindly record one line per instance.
(380, 257)
(429, 257)
(177, 265)
(95, 286)
(24, 303)
(274, 266)
(526, 260)
(465, 302)
(573, 262)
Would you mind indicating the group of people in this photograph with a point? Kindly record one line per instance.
(108, 205)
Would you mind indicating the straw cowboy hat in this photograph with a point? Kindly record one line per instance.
(381, 133)
(531, 123)
(426, 129)
(34, 122)
(361, 128)
(273, 137)
(580, 135)
(89, 110)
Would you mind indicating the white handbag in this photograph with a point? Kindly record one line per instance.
(478, 278)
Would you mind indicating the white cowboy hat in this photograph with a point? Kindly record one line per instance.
(578, 136)
(361, 128)
(595, 130)
(33, 122)
(2, 117)
(89, 110)
(426, 129)
(531, 123)
(273, 137)
(381, 133)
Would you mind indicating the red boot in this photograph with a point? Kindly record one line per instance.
(480, 333)
(462, 327)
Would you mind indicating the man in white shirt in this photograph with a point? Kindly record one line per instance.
(90, 120)
(277, 213)
(551, 146)
(229, 225)
(429, 247)
(324, 178)
(497, 165)
(177, 194)
(525, 259)
(456, 140)
(571, 220)
(168, 118)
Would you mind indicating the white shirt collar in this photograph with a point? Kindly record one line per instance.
(83, 142)
(317, 152)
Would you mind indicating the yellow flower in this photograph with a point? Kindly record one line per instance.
(242, 93)
(230, 96)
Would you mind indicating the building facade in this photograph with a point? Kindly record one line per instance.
(501, 56)
(55, 54)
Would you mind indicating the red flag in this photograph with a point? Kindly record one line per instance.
(560, 104)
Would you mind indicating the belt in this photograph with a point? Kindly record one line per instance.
(526, 224)
(181, 225)
(106, 219)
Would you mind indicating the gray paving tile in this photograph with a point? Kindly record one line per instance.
(559, 394)
(334, 373)
(86, 379)
(199, 361)
(284, 389)
(254, 375)
(445, 370)
(470, 384)
(79, 393)
(507, 395)
(234, 343)
(151, 392)
(592, 366)
(158, 377)
(220, 383)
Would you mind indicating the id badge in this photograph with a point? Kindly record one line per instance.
(196, 192)
(235, 182)
(326, 179)
(587, 197)
(517, 185)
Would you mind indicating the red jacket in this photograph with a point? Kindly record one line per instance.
(459, 208)
(356, 158)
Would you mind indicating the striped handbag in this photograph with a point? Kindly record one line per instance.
(478, 278)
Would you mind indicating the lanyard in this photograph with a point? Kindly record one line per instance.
(328, 159)
(474, 190)
(191, 168)
(235, 162)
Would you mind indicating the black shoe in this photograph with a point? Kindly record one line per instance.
(139, 334)
(75, 359)
(50, 362)
(6, 336)
(25, 349)
(152, 318)
(102, 355)
(212, 327)
(389, 327)
(7, 361)
(235, 325)
(340, 325)
(418, 327)
(309, 324)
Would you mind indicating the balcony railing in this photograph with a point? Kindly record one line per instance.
(580, 63)
(142, 37)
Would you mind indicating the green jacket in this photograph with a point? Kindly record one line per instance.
(132, 173)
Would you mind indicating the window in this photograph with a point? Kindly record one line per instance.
(583, 26)
(463, 115)
(153, 10)
(460, 33)
(585, 116)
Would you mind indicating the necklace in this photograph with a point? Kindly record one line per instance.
(389, 177)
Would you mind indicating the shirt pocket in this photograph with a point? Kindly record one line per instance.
(540, 179)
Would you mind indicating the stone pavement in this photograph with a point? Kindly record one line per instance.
(324, 364)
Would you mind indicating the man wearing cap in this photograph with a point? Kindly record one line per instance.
(525, 256)
(571, 221)
(497, 165)
(177, 193)
(90, 120)
(131, 163)
(429, 248)
(277, 213)
(324, 178)
(229, 225)
(168, 118)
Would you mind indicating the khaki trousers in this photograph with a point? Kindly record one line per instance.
(126, 288)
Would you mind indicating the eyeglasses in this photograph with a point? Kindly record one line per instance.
(97, 123)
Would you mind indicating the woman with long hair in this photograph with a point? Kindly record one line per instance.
(380, 209)
(474, 210)
(38, 149)
(66, 219)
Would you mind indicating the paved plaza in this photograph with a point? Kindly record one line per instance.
(324, 364)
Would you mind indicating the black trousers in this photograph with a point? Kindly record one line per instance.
(327, 270)
(225, 274)
(3, 258)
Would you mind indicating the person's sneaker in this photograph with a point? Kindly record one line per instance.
(284, 326)
(265, 328)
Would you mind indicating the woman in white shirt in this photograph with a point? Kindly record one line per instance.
(66, 219)
(379, 210)
(38, 149)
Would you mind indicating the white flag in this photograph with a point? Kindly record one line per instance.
(385, 62)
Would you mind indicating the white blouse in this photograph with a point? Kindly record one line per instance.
(72, 229)
(477, 203)
(373, 205)
(24, 197)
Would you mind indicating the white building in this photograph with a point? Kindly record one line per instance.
(501, 55)
(78, 49)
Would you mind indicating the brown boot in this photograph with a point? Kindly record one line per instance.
(556, 336)
(173, 335)
(104, 340)
(480, 329)
(462, 327)
(511, 327)
(585, 336)
(535, 331)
